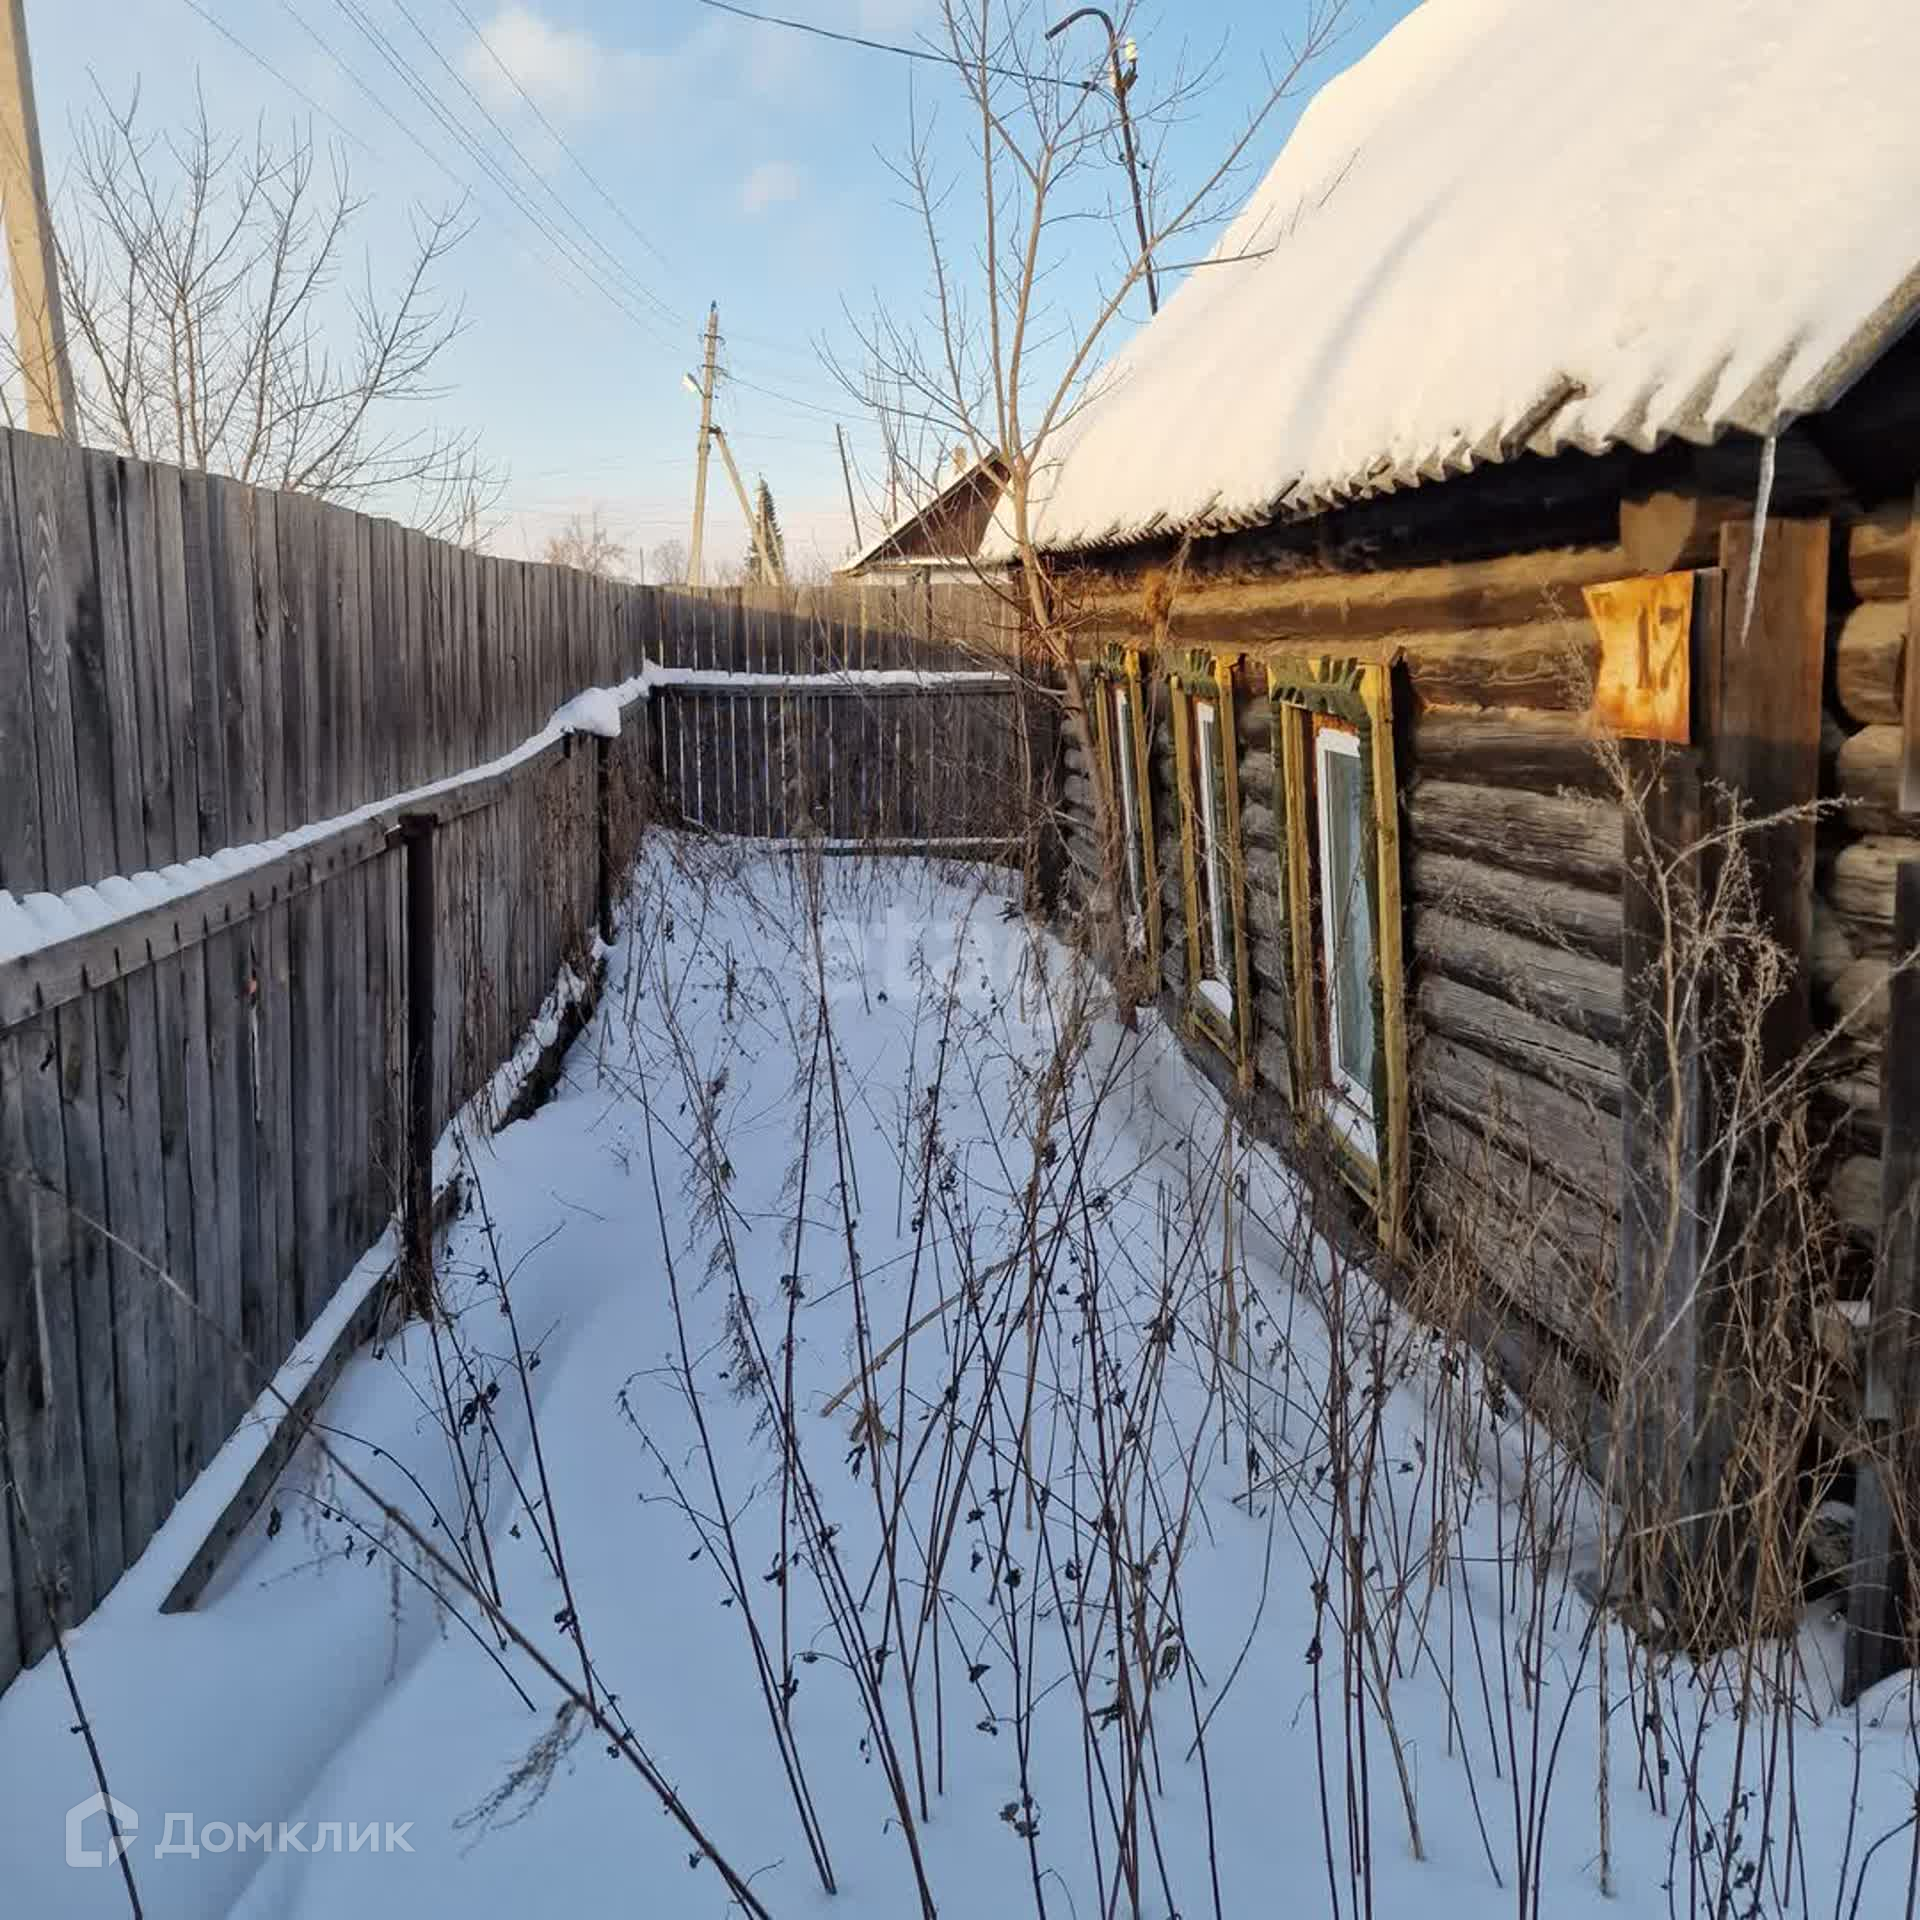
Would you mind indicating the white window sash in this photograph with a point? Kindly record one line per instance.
(1132, 850)
(1352, 1101)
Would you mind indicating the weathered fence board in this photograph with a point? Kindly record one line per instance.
(212, 1087)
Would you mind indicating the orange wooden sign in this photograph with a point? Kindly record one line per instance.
(1645, 683)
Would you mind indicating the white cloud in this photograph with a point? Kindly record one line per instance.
(560, 68)
(769, 184)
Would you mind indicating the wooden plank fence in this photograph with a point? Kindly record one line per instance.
(214, 1083)
(854, 763)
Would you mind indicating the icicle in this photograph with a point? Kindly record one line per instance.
(1762, 500)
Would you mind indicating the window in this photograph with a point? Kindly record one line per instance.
(1215, 984)
(1118, 715)
(1339, 838)
(1219, 1000)
(1346, 928)
(1132, 812)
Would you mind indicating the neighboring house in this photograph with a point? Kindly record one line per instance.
(935, 544)
(1537, 299)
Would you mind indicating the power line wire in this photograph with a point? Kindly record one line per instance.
(618, 265)
(423, 92)
(773, 393)
(560, 260)
(554, 133)
(260, 60)
(905, 53)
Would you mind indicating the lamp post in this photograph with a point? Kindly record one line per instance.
(1121, 82)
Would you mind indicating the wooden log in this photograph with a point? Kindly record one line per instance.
(1551, 664)
(1521, 1038)
(1891, 1402)
(1548, 1250)
(1831, 952)
(1870, 662)
(1866, 778)
(1907, 799)
(1854, 1194)
(1664, 532)
(1562, 838)
(1510, 590)
(1271, 1066)
(1508, 747)
(1263, 872)
(1879, 553)
(1861, 889)
(1847, 1110)
(1573, 990)
(1545, 910)
(1860, 999)
(1572, 1139)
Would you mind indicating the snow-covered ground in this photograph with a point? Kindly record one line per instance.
(1168, 1600)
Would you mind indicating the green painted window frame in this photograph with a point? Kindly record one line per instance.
(1358, 696)
(1197, 679)
(1121, 671)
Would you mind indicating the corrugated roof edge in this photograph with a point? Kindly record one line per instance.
(1756, 411)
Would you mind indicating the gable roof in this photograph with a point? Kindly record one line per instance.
(1523, 225)
(946, 528)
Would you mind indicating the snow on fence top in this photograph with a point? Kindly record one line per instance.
(1523, 225)
(37, 921)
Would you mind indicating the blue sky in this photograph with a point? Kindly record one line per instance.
(744, 164)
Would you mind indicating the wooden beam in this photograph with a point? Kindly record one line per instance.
(1909, 797)
(1764, 735)
(1759, 654)
(1662, 1143)
(1663, 531)
(32, 259)
(1875, 1640)
(51, 976)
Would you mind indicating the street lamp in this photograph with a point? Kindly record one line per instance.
(1121, 82)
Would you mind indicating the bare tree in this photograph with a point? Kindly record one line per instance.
(1004, 353)
(668, 563)
(218, 321)
(584, 543)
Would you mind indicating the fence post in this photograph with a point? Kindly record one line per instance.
(603, 834)
(1880, 1584)
(417, 835)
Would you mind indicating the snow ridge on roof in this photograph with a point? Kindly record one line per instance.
(1523, 225)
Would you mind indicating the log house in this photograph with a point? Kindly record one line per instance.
(1372, 692)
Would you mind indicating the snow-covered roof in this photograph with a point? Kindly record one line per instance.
(1524, 225)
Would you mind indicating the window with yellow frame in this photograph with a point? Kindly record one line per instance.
(1213, 871)
(1340, 894)
(1118, 697)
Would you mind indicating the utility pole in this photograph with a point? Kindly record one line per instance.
(31, 258)
(694, 554)
(763, 561)
(846, 474)
(1122, 81)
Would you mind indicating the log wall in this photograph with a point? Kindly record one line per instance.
(1513, 899)
(1862, 840)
